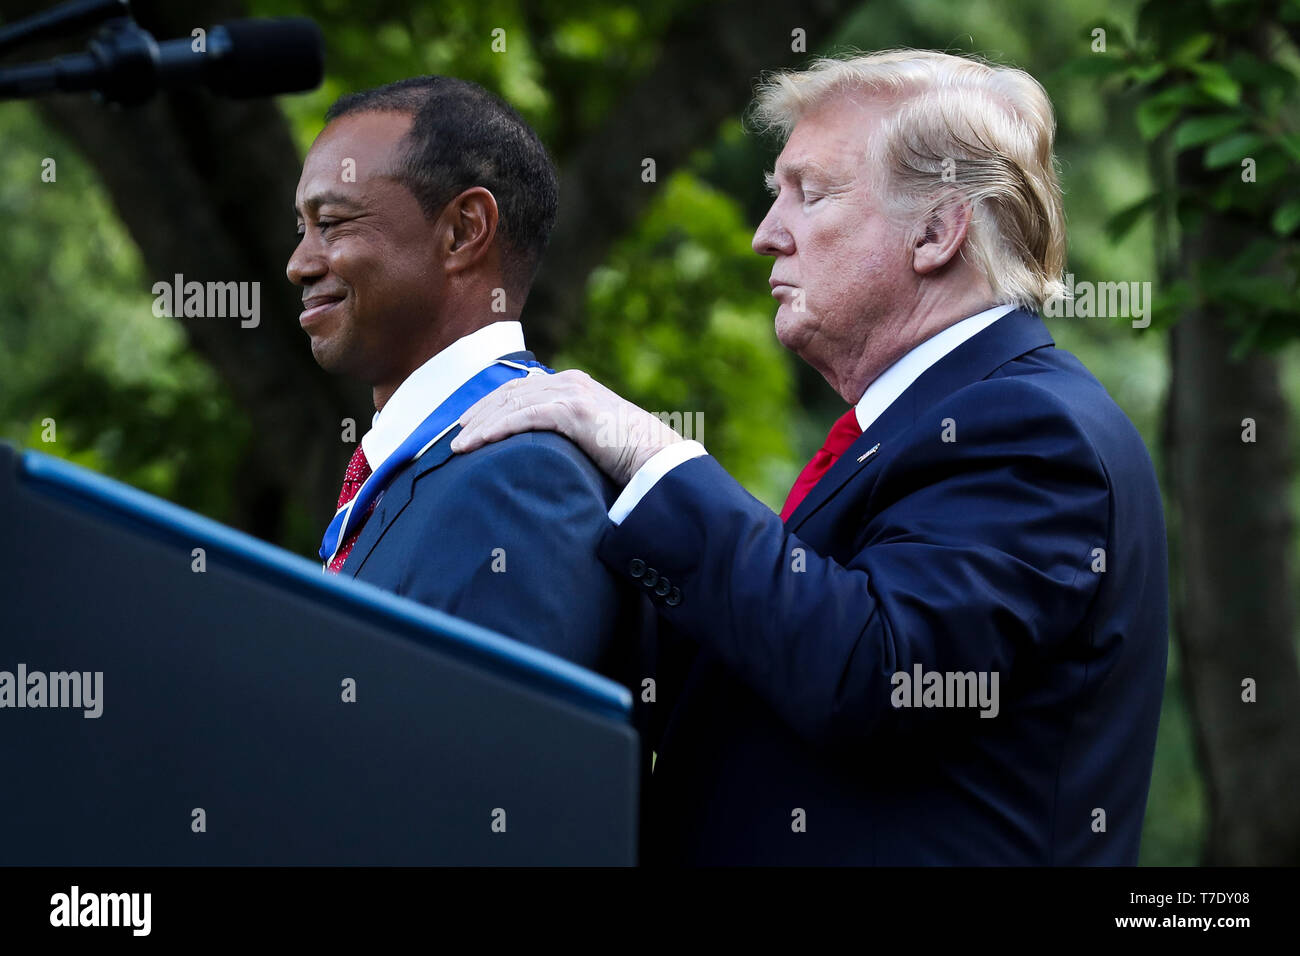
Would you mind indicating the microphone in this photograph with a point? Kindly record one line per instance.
(125, 65)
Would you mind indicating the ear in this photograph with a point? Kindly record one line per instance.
(470, 228)
(945, 231)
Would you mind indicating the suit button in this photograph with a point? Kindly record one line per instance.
(636, 567)
(651, 577)
(675, 598)
(663, 587)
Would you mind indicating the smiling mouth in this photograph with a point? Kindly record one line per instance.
(315, 306)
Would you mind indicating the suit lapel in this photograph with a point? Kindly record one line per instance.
(977, 358)
(396, 497)
(400, 490)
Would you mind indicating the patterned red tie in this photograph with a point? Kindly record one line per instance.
(843, 433)
(356, 475)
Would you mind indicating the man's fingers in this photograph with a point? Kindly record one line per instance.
(518, 406)
(531, 403)
(503, 422)
(495, 403)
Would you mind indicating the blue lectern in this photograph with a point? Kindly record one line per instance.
(254, 711)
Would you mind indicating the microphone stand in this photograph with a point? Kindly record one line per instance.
(122, 54)
(63, 20)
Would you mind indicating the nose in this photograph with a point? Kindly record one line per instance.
(771, 238)
(306, 265)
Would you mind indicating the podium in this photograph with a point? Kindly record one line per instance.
(254, 711)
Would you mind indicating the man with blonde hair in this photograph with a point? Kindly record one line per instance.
(950, 646)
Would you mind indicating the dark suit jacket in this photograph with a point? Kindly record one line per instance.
(975, 555)
(505, 537)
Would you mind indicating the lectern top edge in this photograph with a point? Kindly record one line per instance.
(58, 479)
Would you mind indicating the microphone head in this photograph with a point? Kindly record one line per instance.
(266, 57)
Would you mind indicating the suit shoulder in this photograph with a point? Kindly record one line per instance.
(1027, 398)
(1058, 379)
(1029, 413)
(541, 446)
(529, 456)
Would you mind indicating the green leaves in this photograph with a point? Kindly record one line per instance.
(1291, 143)
(1233, 150)
(1156, 113)
(1144, 73)
(1191, 49)
(1287, 217)
(1212, 90)
(1121, 224)
(1213, 86)
(679, 317)
(1202, 129)
(1215, 81)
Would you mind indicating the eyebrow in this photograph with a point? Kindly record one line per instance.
(798, 170)
(312, 203)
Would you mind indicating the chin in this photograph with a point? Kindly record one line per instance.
(326, 357)
(792, 331)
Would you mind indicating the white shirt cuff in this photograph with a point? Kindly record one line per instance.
(659, 464)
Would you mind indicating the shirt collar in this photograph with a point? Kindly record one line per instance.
(896, 379)
(433, 383)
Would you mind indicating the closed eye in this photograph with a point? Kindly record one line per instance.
(321, 224)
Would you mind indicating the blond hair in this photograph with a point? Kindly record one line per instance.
(959, 123)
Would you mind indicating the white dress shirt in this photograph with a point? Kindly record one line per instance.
(880, 394)
(433, 383)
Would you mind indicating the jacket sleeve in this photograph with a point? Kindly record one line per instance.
(518, 552)
(970, 555)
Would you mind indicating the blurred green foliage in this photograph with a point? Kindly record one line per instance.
(1217, 89)
(79, 343)
(679, 317)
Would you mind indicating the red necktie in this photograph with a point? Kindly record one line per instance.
(843, 433)
(356, 475)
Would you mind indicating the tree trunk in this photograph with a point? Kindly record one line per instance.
(1233, 604)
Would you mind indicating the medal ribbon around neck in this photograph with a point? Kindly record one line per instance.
(427, 434)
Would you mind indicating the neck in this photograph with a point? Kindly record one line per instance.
(897, 337)
(442, 334)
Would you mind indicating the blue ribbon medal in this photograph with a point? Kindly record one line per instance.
(427, 434)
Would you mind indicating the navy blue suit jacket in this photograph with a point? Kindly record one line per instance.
(505, 537)
(1032, 545)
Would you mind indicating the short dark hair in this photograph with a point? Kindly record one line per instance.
(463, 136)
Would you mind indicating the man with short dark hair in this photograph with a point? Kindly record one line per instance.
(424, 208)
